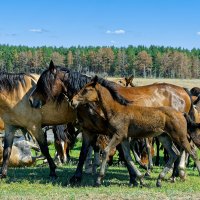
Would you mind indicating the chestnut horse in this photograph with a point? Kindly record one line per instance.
(128, 120)
(56, 82)
(16, 112)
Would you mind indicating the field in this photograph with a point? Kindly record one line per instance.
(34, 183)
(188, 83)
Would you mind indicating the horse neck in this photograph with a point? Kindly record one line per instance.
(106, 102)
(19, 95)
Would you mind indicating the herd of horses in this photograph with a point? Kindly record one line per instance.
(100, 107)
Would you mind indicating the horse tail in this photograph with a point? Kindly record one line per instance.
(192, 110)
(59, 133)
(71, 135)
(192, 126)
(195, 91)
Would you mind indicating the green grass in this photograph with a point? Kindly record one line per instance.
(34, 183)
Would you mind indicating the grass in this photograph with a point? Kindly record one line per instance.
(34, 183)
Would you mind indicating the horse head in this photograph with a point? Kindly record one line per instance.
(86, 95)
(50, 86)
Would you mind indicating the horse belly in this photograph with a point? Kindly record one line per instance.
(141, 132)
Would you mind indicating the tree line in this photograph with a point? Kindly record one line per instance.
(141, 61)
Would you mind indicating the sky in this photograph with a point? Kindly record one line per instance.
(121, 23)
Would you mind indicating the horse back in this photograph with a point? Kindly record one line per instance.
(162, 94)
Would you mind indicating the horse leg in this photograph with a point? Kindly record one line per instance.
(42, 141)
(59, 151)
(192, 152)
(150, 164)
(67, 153)
(157, 162)
(96, 161)
(88, 138)
(116, 139)
(8, 142)
(175, 172)
(173, 155)
(166, 156)
(88, 161)
(64, 149)
(126, 151)
(137, 158)
(131, 171)
(182, 165)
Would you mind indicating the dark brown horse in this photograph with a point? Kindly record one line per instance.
(56, 82)
(195, 92)
(125, 119)
(126, 81)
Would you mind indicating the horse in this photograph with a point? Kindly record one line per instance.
(55, 82)
(15, 110)
(64, 140)
(129, 120)
(142, 157)
(126, 81)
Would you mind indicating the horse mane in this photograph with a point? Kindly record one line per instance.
(10, 81)
(112, 88)
(73, 81)
(76, 81)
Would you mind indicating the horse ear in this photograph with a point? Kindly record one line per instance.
(131, 77)
(95, 80)
(52, 67)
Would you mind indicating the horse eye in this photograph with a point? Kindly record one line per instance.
(85, 90)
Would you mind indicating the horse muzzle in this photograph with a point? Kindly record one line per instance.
(74, 104)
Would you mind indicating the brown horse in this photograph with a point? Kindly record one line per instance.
(144, 156)
(16, 112)
(126, 81)
(56, 82)
(128, 120)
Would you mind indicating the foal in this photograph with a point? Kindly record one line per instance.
(127, 120)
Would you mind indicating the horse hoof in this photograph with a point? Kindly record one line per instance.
(75, 181)
(133, 184)
(53, 178)
(97, 184)
(158, 184)
(182, 175)
(142, 184)
(172, 179)
(147, 174)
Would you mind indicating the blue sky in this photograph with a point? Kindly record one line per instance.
(68, 23)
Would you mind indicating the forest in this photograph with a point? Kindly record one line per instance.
(141, 61)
